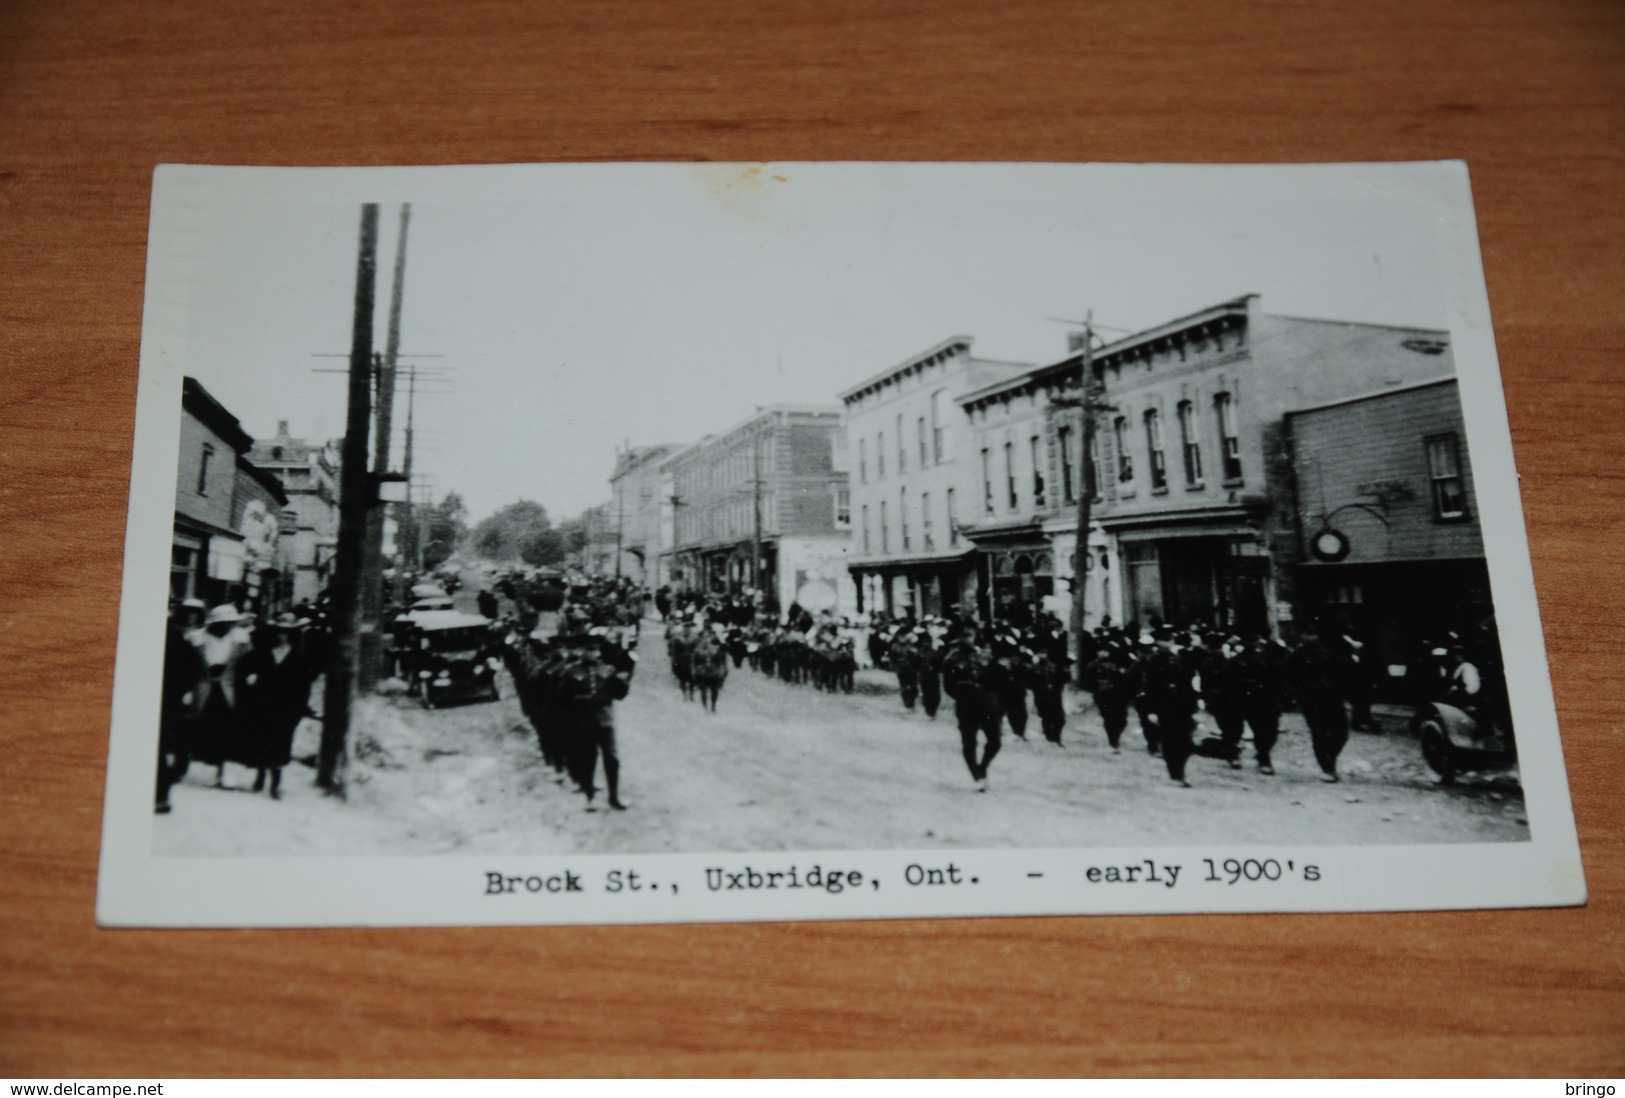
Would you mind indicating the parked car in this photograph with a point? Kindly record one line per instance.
(452, 656)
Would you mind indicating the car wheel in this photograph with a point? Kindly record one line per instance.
(1437, 750)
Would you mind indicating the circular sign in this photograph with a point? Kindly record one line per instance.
(1329, 545)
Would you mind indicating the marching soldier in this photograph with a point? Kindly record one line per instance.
(928, 670)
(592, 675)
(1142, 705)
(1261, 671)
(1109, 677)
(708, 666)
(1313, 670)
(971, 678)
(1224, 694)
(1170, 694)
(904, 655)
(1014, 672)
(1048, 680)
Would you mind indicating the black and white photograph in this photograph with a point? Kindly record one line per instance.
(655, 542)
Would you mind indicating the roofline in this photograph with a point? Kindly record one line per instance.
(212, 414)
(267, 479)
(1359, 324)
(767, 411)
(874, 381)
(1378, 394)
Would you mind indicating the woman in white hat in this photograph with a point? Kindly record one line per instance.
(222, 646)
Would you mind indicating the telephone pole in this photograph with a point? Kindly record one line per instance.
(372, 584)
(355, 496)
(1089, 403)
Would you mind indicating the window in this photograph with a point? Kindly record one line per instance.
(1063, 440)
(885, 532)
(1444, 470)
(1229, 442)
(863, 461)
(902, 447)
(1189, 446)
(1153, 445)
(203, 470)
(953, 523)
(987, 481)
(1125, 460)
(939, 425)
(1010, 474)
(1093, 472)
(866, 528)
(1038, 476)
(924, 453)
(843, 508)
(925, 521)
(902, 517)
(880, 454)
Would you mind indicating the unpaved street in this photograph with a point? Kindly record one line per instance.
(783, 767)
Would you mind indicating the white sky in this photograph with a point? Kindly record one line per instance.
(584, 305)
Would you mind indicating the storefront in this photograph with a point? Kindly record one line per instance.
(1213, 573)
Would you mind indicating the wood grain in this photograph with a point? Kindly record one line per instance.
(93, 95)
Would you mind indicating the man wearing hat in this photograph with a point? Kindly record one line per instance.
(1315, 676)
(1260, 670)
(1169, 689)
(971, 677)
(904, 655)
(593, 674)
(1109, 678)
(928, 669)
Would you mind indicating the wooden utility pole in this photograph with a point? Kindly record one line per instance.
(372, 572)
(1089, 402)
(355, 496)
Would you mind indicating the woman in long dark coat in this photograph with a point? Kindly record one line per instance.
(276, 682)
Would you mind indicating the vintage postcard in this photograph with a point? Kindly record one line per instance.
(674, 542)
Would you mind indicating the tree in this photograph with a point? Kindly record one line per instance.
(445, 526)
(520, 531)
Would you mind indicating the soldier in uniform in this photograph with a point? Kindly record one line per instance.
(1109, 677)
(1142, 705)
(903, 653)
(1224, 694)
(971, 678)
(1047, 680)
(928, 671)
(1013, 674)
(1358, 681)
(1259, 669)
(1170, 694)
(680, 638)
(1317, 679)
(593, 674)
(708, 666)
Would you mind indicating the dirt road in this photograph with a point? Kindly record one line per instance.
(783, 767)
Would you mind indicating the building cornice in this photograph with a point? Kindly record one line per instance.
(891, 375)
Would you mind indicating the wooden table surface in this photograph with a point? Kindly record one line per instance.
(92, 95)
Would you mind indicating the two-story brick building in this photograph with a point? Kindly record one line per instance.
(227, 511)
(1195, 514)
(766, 503)
(1387, 517)
(309, 475)
(905, 433)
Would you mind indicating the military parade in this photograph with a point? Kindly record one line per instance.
(782, 618)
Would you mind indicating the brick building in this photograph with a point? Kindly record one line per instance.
(637, 506)
(309, 475)
(1195, 518)
(227, 511)
(904, 432)
(777, 481)
(1387, 517)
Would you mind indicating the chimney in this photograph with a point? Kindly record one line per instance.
(281, 428)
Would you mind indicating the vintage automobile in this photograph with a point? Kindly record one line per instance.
(452, 656)
(1455, 740)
